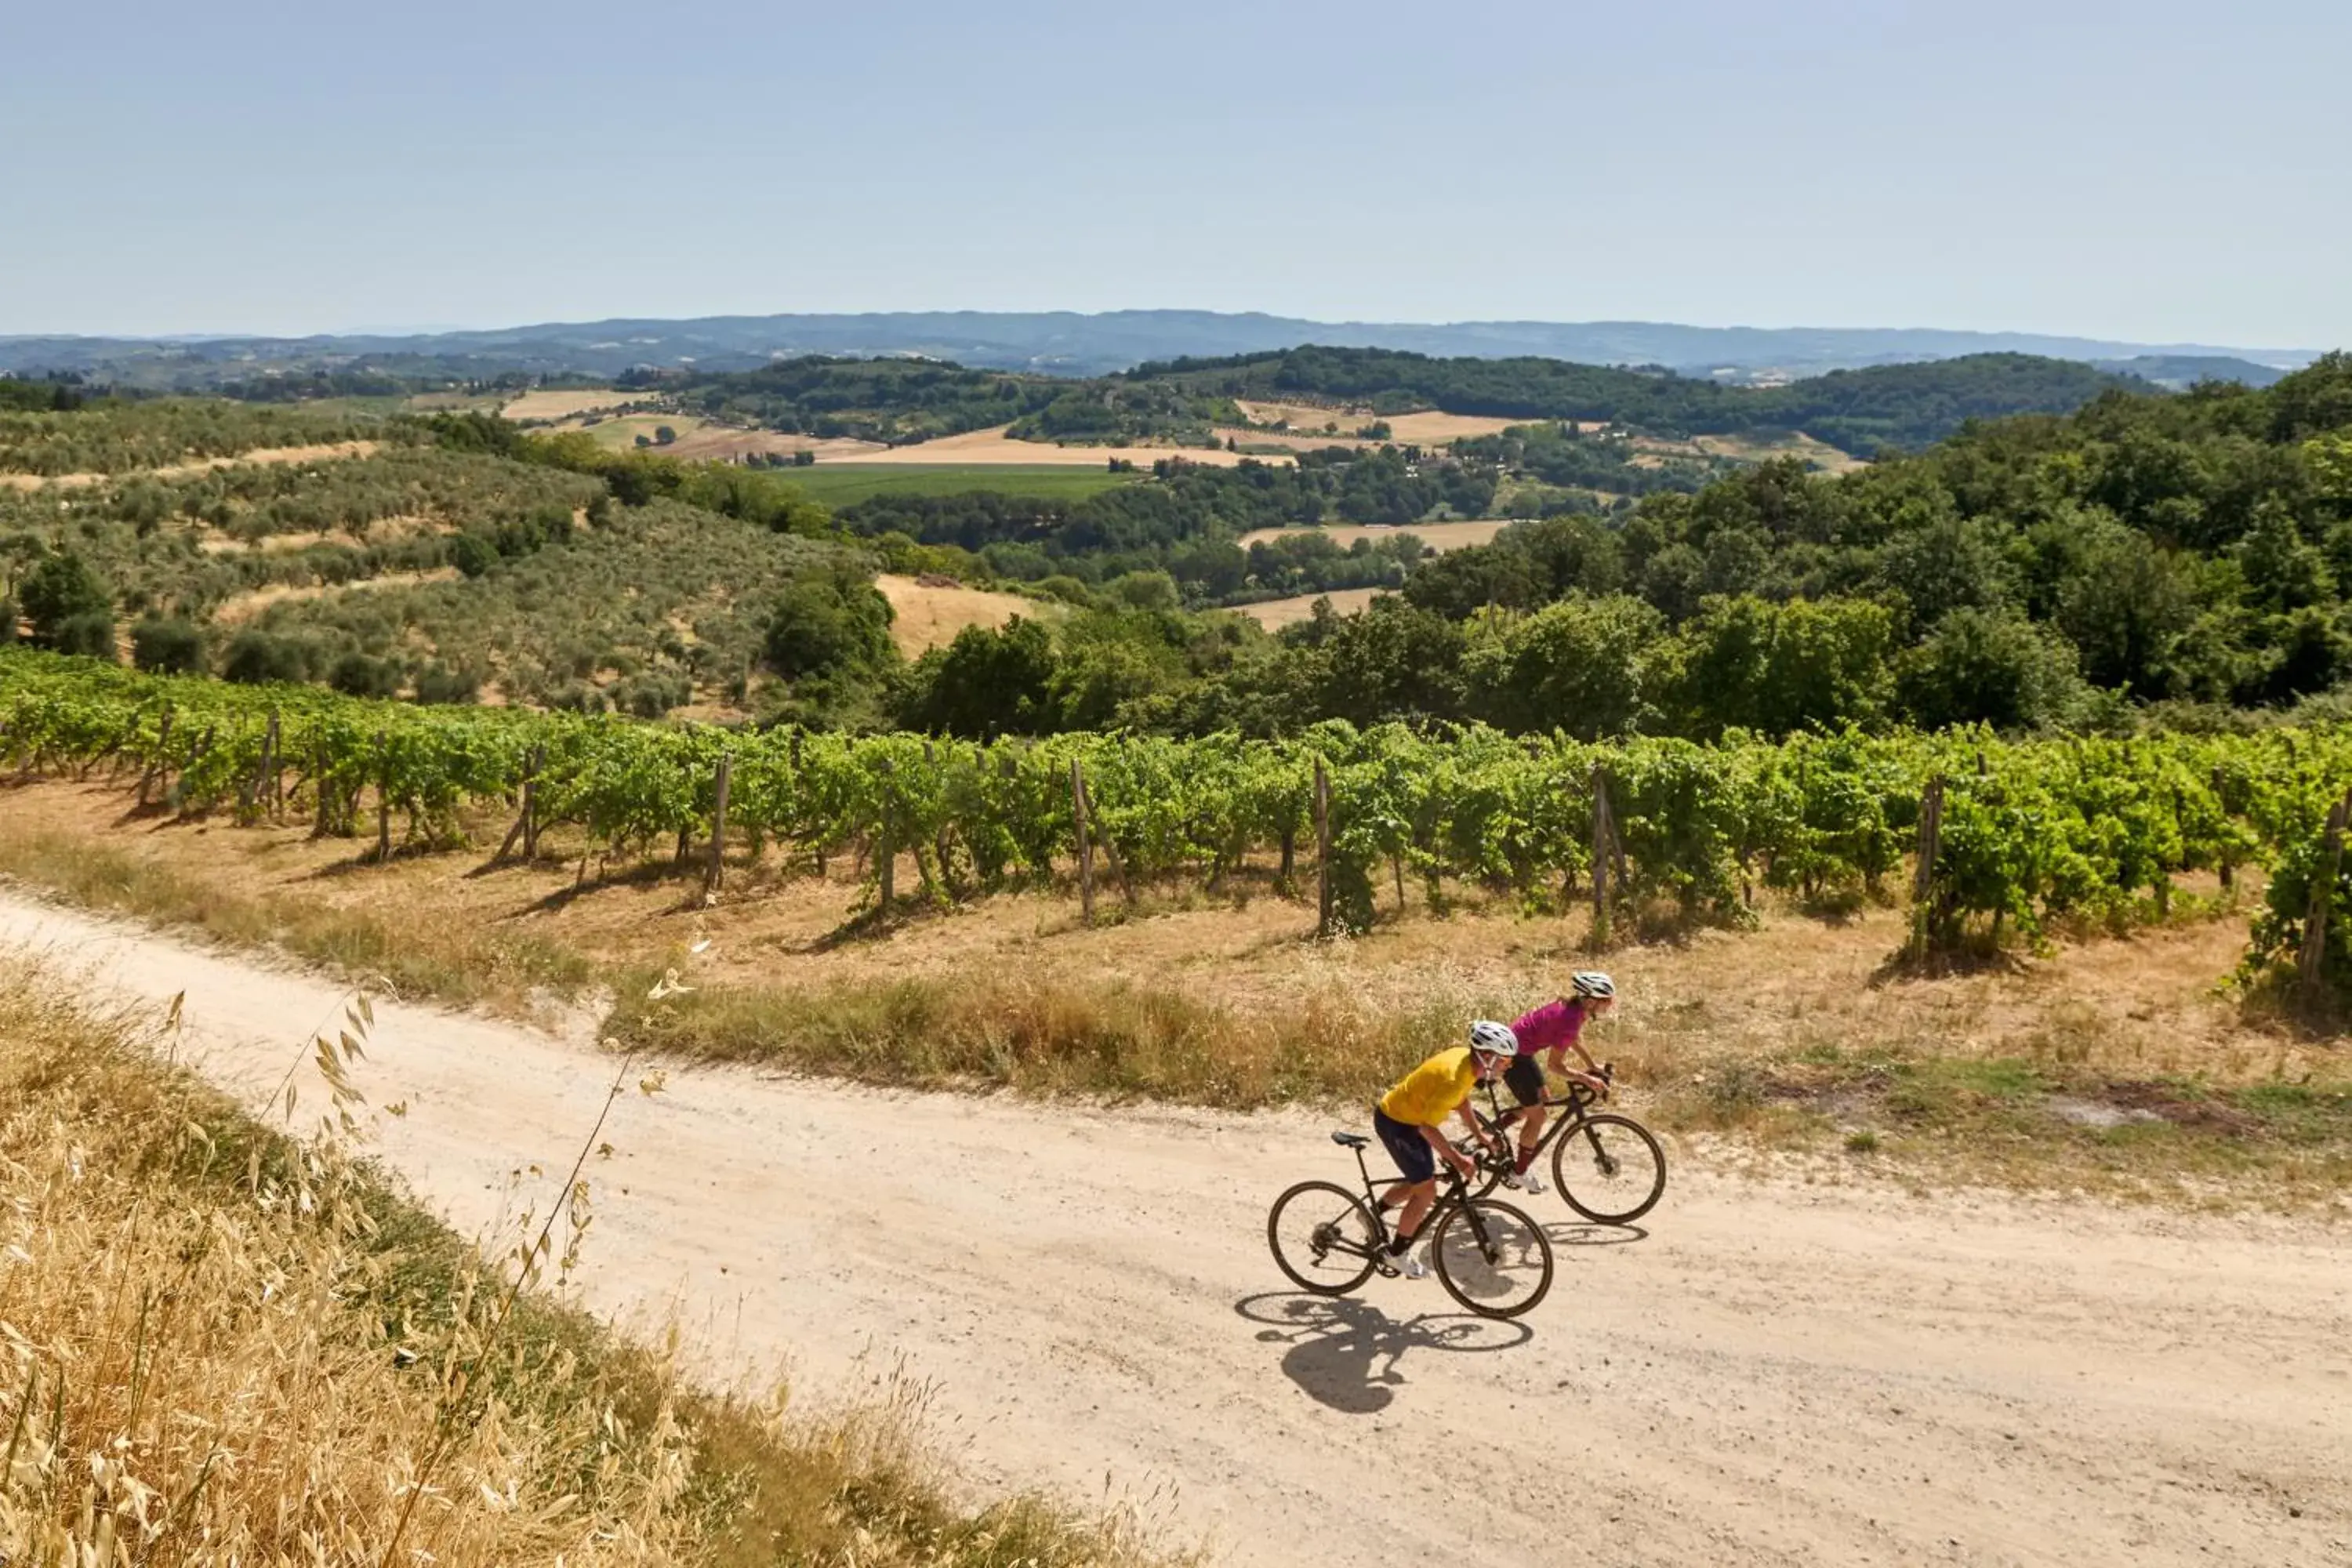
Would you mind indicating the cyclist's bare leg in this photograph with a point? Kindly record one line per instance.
(1530, 1137)
(1417, 1196)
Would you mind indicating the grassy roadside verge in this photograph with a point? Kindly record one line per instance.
(2053, 1106)
(224, 1344)
(2026, 1122)
(420, 958)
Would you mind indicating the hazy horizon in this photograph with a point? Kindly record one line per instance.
(2152, 174)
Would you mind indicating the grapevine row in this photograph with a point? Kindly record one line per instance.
(2028, 829)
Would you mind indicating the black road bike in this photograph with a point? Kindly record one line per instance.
(1607, 1167)
(1490, 1256)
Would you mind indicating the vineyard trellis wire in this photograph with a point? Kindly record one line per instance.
(2028, 830)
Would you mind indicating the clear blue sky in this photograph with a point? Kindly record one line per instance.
(2153, 171)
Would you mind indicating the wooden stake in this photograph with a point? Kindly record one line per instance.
(1085, 844)
(717, 870)
(1601, 838)
(2313, 957)
(1322, 849)
(383, 804)
(1923, 877)
(886, 852)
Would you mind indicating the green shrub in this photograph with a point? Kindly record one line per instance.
(363, 675)
(254, 656)
(167, 646)
(90, 635)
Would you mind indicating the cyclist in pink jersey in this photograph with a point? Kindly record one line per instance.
(1553, 1029)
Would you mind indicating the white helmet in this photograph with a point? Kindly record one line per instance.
(1592, 983)
(1494, 1039)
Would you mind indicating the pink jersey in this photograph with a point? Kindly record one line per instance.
(1554, 1025)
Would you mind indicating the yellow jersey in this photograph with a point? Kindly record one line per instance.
(1434, 1090)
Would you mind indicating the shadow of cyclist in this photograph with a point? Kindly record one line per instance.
(1590, 1233)
(1344, 1353)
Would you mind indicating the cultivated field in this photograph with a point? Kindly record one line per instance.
(1275, 613)
(928, 618)
(1439, 536)
(1427, 428)
(838, 484)
(566, 403)
(991, 446)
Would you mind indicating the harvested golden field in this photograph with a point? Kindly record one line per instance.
(566, 403)
(991, 446)
(1275, 613)
(929, 618)
(327, 452)
(1439, 536)
(1427, 428)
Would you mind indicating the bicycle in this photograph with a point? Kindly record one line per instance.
(1490, 1256)
(1618, 1161)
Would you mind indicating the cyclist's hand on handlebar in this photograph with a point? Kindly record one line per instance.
(1463, 1167)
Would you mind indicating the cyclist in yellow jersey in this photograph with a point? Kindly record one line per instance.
(1408, 1118)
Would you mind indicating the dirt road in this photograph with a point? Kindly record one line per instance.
(1772, 1373)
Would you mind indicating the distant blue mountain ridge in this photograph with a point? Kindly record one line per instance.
(1071, 344)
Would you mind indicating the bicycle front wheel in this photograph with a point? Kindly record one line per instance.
(1491, 1259)
(1323, 1236)
(1609, 1168)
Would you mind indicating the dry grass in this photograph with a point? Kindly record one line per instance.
(1439, 536)
(1275, 613)
(1795, 1034)
(1749, 448)
(239, 608)
(1306, 421)
(224, 1344)
(928, 618)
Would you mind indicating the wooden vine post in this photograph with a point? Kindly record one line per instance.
(886, 849)
(1322, 849)
(1607, 856)
(1923, 876)
(383, 802)
(716, 871)
(2313, 959)
(1086, 843)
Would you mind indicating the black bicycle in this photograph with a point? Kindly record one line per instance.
(1490, 1256)
(1609, 1168)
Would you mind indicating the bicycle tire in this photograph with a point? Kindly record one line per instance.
(1492, 1284)
(1311, 1272)
(1608, 1139)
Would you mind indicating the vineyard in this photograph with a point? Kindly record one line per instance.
(2024, 832)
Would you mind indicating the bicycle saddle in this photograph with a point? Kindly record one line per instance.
(1349, 1140)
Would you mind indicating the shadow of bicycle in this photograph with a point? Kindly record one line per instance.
(1589, 1233)
(1344, 1353)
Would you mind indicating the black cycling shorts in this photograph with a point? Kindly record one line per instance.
(1406, 1146)
(1525, 1079)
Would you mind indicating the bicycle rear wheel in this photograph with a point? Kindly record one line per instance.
(1491, 1259)
(1609, 1168)
(1323, 1237)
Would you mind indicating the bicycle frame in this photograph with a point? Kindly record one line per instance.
(1572, 1106)
(1456, 1196)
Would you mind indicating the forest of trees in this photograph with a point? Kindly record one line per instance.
(1182, 401)
(1901, 406)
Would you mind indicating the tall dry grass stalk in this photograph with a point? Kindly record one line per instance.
(219, 1344)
